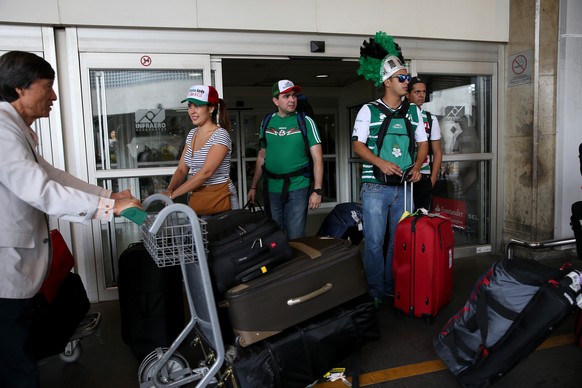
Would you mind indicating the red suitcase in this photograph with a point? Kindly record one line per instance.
(61, 264)
(423, 265)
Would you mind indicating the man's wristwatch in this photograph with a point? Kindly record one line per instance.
(318, 192)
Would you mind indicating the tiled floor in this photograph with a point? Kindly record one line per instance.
(405, 349)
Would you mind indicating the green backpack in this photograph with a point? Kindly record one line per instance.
(395, 143)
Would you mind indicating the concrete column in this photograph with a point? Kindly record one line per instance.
(530, 138)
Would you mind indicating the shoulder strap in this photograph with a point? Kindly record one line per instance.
(429, 118)
(430, 152)
(382, 108)
(301, 121)
(264, 125)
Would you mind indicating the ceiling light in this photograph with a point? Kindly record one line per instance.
(322, 76)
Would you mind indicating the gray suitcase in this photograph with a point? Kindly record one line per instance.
(323, 273)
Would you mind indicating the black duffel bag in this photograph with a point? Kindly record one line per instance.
(301, 354)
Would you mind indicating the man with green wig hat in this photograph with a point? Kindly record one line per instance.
(391, 153)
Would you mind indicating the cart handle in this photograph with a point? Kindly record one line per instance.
(156, 197)
(175, 208)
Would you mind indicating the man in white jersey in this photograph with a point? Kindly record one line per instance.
(432, 165)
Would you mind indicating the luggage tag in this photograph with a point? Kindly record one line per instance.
(357, 220)
(576, 285)
(337, 374)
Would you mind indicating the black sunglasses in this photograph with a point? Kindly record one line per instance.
(402, 77)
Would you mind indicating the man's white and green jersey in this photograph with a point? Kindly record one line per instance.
(367, 127)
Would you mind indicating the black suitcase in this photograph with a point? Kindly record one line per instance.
(151, 301)
(323, 273)
(55, 323)
(243, 245)
(515, 306)
(301, 354)
(344, 221)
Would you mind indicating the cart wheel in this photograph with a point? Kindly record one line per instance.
(72, 355)
(237, 340)
(174, 364)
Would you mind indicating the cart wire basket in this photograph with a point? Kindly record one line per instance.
(176, 236)
(173, 244)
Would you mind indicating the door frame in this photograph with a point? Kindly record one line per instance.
(94, 261)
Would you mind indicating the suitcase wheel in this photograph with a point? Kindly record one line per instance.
(428, 319)
(72, 352)
(237, 341)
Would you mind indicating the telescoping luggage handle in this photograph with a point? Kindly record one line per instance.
(411, 196)
(405, 212)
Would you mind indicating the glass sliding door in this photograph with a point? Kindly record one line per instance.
(463, 98)
(135, 129)
(462, 105)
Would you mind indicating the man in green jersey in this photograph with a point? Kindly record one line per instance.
(285, 153)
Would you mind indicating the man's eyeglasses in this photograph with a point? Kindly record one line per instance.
(402, 77)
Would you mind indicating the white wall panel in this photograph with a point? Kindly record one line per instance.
(463, 20)
(366, 16)
(130, 13)
(273, 15)
(15, 37)
(479, 20)
(234, 44)
(29, 11)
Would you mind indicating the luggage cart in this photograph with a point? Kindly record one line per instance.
(176, 236)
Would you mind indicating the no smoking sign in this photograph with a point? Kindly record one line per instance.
(520, 68)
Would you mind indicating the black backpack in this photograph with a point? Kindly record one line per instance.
(400, 114)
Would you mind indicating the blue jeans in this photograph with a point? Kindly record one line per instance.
(290, 215)
(383, 206)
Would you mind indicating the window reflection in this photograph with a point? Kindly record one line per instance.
(138, 120)
(130, 147)
(462, 193)
(462, 105)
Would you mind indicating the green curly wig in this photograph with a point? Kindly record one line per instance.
(372, 54)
